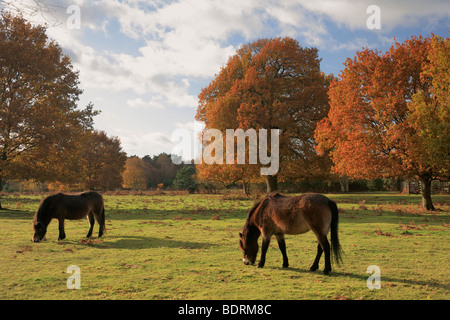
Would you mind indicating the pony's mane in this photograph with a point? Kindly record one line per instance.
(271, 195)
(45, 204)
(253, 209)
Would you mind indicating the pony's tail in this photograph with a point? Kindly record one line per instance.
(335, 245)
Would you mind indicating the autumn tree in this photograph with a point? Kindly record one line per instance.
(38, 94)
(101, 160)
(162, 169)
(93, 161)
(136, 173)
(389, 114)
(270, 84)
(229, 175)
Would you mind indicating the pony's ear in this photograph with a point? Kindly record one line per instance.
(240, 235)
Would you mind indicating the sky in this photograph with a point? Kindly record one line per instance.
(143, 63)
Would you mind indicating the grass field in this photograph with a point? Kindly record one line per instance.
(177, 246)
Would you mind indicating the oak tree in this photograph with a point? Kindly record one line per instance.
(101, 160)
(270, 84)
(38, 94)
(389, 114)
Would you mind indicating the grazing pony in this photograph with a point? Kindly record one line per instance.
(278, 215)
(72, 207)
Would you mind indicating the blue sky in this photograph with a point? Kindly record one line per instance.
(143, 63)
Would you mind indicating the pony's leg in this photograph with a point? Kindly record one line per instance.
(62, 234)
(282, 246)
(101, 222)
(323, 241)
(315, 265)
(91, 223)
(100, 229)
(265, 246)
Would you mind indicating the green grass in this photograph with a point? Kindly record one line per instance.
(186, 247)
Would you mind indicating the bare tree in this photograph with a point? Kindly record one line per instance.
(33, 9)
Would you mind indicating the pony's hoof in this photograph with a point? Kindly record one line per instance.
(285, 266)
(313, 268)
(260, 265)
(326, 272)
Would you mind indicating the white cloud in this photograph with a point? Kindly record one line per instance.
(294, 20)
(354, 45)
(185, 136)
(188, 39)
(144, 143)
(352, 13)
(181, 44)
(139, 103)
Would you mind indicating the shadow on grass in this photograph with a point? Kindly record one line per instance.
(385, 280)
(144, 215)
(138, 242)
(16, 214)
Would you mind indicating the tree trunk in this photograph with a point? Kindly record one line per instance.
(1, 189)
(271, 182)
(426, 193)
(344, 184)
(246, 187)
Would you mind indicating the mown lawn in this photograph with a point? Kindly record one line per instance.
(177, 246)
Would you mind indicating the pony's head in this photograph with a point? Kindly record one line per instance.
(40, 229)
(41, 219)
(248, 243)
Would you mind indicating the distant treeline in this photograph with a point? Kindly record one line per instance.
(158, 172)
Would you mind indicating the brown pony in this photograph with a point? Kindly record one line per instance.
(73, 207)
(278, 215)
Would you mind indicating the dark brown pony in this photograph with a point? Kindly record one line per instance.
(278, 215)
(72, 207)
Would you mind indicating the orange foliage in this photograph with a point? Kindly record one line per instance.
(38, 103)
(268, 84)
(389, 113)
(373, 125)
(136, 173)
